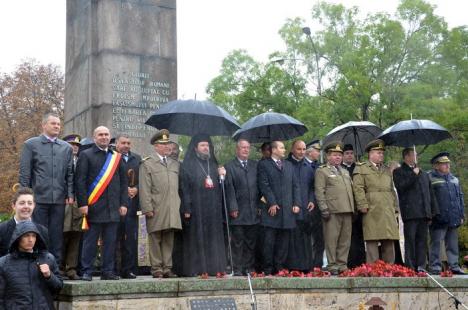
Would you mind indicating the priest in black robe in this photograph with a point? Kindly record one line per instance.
(201, 210)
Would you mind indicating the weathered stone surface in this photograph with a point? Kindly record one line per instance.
(121, 64)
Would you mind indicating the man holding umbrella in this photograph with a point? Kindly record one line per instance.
(280, 189)
(242, 200)
(376, 199)
(444, 226)
(417, 207)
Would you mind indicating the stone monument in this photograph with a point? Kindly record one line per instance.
(121, 65)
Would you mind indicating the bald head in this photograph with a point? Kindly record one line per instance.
(101, 137)
(298, 149)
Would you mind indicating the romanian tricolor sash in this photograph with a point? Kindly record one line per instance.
(104, 177)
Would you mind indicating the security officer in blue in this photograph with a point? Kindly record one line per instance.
(444, 226)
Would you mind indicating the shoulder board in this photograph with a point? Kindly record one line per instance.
(145, 159)
(323, 166)
(359, 164)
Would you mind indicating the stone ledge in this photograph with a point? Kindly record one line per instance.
(147, 287)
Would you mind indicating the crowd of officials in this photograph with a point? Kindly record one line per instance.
(284, 211)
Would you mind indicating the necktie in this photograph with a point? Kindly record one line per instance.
(280, 164)
(125, 157)
(164, 161)
(244, 164)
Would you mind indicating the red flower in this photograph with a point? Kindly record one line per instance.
(204, 276)
(220, 275)
(446, 274)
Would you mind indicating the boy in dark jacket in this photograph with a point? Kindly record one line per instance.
(28, 274)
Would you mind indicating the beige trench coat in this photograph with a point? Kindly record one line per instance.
(374, 190)
(159, 193)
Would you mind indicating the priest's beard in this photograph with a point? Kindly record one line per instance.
(203, 156)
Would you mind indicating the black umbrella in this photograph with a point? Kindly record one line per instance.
(358, 134)
(191, 117)
(270, 126)
(414, 132)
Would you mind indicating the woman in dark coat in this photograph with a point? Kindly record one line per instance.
(28, 274)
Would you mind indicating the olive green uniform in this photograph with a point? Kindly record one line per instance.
(334, 194)
(374, 191)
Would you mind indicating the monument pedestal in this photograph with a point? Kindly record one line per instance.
(121, 64)
(272, 293)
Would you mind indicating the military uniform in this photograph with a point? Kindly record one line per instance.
(159, 193)
(72, 231)
(374, 191)
(334, 194)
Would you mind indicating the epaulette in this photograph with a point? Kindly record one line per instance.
(323, 166)
(144, 159)
(359, 164)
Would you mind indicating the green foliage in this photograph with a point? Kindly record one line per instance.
(5, 217)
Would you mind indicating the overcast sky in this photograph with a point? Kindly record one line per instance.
(207, 30)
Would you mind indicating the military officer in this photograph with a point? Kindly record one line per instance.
(160, 203)
(334, 194)
(375, 197)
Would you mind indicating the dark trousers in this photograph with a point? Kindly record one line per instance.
(243, 240)
(128, 244)
(51, 216)
(416, 232)
(318, 243)
(108, 233)
(357, 251)
(275, 249)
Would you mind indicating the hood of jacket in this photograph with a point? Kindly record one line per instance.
(23, 228)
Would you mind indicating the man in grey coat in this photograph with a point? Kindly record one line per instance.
(46, 166)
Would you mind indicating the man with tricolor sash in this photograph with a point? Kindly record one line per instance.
(101, 191)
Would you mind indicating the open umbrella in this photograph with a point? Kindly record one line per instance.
(414, 132)
(191, 117)
(270, 126)
(358, 134)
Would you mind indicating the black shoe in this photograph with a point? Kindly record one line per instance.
(87, 277)
(238, 274)
(458, 271)
(129, 275)
(109, 276)
(334, 272)
(435, 272)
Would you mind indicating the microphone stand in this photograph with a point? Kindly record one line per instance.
(221, 180)
(456, 301)
(253, 303)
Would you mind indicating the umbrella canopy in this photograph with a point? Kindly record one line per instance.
(414, 132)
(191, 117)
(270, 126)
(358, 134)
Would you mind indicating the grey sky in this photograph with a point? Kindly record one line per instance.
(207, 31)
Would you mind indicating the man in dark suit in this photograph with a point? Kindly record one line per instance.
(103, 212)
(128, 228)
(300, 244)
(281, 193)
(417, 207)
(23, 204)
(242, 201)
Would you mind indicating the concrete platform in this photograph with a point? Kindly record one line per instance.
(271, 292)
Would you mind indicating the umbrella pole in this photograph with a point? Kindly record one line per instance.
(227, 225)
(415, 156)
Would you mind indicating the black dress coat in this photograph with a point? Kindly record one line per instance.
(278, 187)
(415, 194)
(106, 209)
(242, 192)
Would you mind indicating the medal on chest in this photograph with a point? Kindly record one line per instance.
(208, 182)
